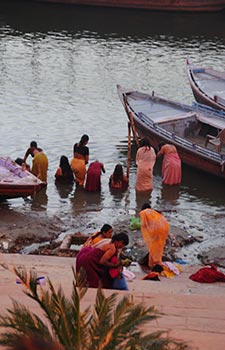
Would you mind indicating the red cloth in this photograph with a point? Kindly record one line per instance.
(93, 181)
(208, 275)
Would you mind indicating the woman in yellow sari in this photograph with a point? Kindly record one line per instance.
(80, 159)
(154, 229)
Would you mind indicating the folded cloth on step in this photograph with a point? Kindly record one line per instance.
(128, 274)
(208, 274)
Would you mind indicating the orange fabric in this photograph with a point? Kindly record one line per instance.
(154, 229)
(79, 170)
(96, 240)
(58, 172)
(145, 160)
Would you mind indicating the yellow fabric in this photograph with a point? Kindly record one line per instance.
(154, 229)
(167, 272)
(40, 166)
(79, 170)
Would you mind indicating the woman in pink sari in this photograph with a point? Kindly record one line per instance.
(171, 165)
(145, 161)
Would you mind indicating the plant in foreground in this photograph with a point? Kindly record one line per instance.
(107, 325)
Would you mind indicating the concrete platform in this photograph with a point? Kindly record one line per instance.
(193, 312)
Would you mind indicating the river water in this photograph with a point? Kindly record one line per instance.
(59, 66)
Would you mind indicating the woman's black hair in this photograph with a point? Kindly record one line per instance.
(121, 237)
(19, 161)
(145, 206)
(145, 142)
(66, 168)
(83, 139)
(160, 144)
(33, 144)
(118, 173)
(105, 228)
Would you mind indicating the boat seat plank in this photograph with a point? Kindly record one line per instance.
(218, 123)
(212, 72)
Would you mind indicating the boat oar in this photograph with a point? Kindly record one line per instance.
(129, 150)
(130, 117)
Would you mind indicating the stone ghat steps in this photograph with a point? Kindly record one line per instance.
(192, 311)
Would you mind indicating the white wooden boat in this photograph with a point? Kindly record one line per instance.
(16, 182)
(192, 129)
(208, 85)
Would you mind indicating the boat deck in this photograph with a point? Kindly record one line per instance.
(157, 111)
(210, 82)
(200, 140)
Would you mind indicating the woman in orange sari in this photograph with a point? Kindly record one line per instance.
(154, 229)
(101, 237)
(80, 159)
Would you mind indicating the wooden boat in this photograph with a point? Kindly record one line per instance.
(16, 182)
(160, 5)
(208, 86)
(189, 128)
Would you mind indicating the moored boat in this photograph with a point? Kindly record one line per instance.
(208, 86)
(192, 129)
(160, 5)
(16, 182)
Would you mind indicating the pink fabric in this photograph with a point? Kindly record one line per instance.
(145, 160)
(93, 181)
(171, 169)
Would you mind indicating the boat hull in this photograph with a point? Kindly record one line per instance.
(17, 182)
(9, 191)
(157, 5)
(191, 154)
(200, 95)
(187, 156)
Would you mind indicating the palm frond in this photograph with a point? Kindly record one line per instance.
(21, 321)
(107, 325)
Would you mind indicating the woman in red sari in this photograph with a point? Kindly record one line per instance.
(97, 261)
(93, 180)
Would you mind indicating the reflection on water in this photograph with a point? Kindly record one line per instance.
(142, 198)
(83, 201)
(64, 189)
(59, 68)
(170, 193)
(40, 200)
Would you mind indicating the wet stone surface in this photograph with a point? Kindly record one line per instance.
(214, 256)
